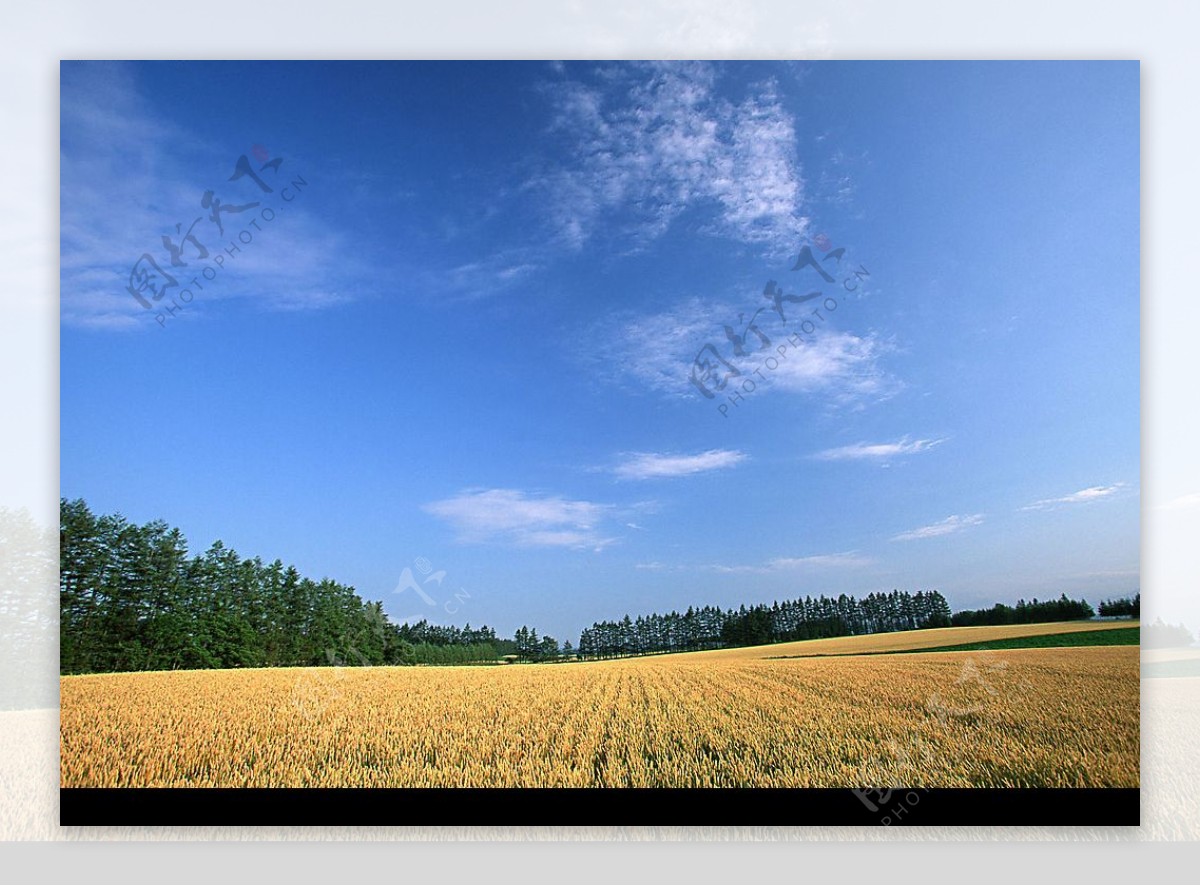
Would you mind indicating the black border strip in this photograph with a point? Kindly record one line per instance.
(1094, 807)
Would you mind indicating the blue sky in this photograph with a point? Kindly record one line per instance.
(464, 339)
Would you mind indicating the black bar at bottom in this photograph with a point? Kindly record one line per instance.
(599, 806)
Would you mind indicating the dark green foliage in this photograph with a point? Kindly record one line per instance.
(1062, 609)
(1110, 637)
(807, 619)
(424, 633)
(131, 599)
(1130, 607)
(450, 654)
(529, 646)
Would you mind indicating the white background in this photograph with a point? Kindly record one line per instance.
(1163, 35)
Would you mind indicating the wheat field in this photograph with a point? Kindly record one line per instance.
(1017, 717)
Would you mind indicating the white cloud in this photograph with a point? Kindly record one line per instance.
(839, 363)
(656, 139)
(659, 352)
(651, 465)
(950, 525)
(514, 517)
(846, 558)
(903, 446)
(1083, 496)
(843, 559)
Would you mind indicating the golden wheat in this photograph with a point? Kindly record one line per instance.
(1021, 717)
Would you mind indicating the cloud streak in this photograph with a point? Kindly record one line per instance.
(952, 524)
(878, 451)
(1083, 496)
(843, 559)
(511, 516)
(652, 465)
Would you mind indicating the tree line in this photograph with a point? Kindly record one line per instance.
(710, 627)
(131, 598)
(448, 644)
(1031, 612)
(1129, 607)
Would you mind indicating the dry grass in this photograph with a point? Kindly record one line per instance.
(1024, 717)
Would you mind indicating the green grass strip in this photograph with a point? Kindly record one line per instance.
(1108, 637)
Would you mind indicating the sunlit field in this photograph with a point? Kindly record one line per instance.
(1017, 717)
(900, 641)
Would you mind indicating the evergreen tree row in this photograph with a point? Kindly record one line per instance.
(1062, 609)
(424, 633)
(1130, 607)
(530, 647)
(131, 599)
(460, 653)
(710, 627)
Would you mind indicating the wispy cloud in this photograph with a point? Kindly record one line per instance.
(834, 185)
(658, 352)
(1083, 496)
(658, 139)
(129, 174)
(840, 364)
(949, 526)
(843, 559)
(489, 275)
(511, 516)
(652, 465)
(878, 451)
